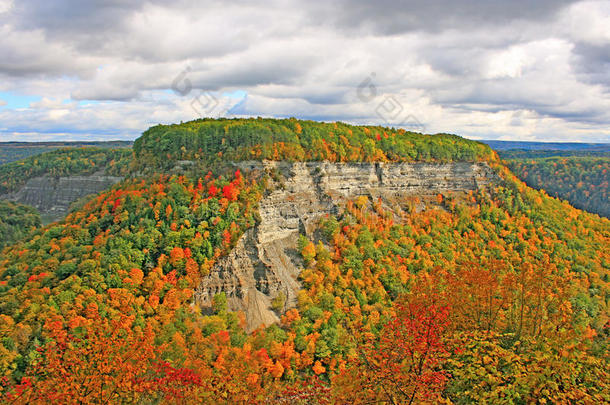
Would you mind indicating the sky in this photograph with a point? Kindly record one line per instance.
(490, 69)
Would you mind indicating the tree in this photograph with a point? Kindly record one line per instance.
(101, 361)
(402, 365)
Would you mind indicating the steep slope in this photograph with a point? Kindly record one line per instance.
(394, 233)
(52, 181)
(265, 263)
(16, 221)
(581, 180)
(52, 196)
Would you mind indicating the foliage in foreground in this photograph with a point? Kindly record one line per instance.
(499, 295)
(516, 300)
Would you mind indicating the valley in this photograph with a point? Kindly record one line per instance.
(249, 260)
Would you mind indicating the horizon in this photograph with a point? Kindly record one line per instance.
(134, 137)
(110, 140)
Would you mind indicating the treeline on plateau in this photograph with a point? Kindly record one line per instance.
(544, 153)
(13, 151)
(16, 221)
(497, 296)
(583, 181)
(64, 162)
(296, 140)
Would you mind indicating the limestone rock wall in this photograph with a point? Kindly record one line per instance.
(53, 196)
(265, 261)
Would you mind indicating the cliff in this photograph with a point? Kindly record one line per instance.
(53, 196)
(265, 263)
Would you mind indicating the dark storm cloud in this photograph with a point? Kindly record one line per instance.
(73, 17)
(593, 63)
(399, 16)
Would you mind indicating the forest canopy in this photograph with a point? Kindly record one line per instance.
(16, 221)
(297, 140)
(499, 294)
(63, 162)
(583, 181)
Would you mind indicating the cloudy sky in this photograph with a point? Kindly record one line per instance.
(489, 69)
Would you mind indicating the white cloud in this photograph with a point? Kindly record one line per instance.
(6, 6)
(523, 71)
(508, 63)
(588, 21)
(48, 104)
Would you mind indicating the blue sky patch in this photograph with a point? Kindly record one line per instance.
(14, 100)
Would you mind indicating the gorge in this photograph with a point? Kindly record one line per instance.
(52, 196)
(265, 263)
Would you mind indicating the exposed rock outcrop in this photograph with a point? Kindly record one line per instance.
(53, 196)
(265, 263)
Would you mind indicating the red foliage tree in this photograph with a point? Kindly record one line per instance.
(230, 192)
(101, 361)
(403, 364)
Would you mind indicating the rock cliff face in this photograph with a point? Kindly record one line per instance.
(265, 263)
(53, 196)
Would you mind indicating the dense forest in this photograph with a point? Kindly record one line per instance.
(64, 162)
(13, 151)
(497, 296)
(543, 153)
(295, 140)
(583, 181)
(510, 149)
(16, 221)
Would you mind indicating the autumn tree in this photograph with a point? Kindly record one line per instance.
(98, 361)
(401, 365)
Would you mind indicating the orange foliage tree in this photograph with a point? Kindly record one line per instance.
(101, 361)
(402, 365)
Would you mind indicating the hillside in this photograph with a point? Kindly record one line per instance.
(394, 267)
(61, 163)
(52, 181)
(583, 181)
(293, 140)
(261, 271)
(13, 151)
(16, 220)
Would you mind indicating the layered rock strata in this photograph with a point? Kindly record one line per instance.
(265, 264)
(53, 196)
